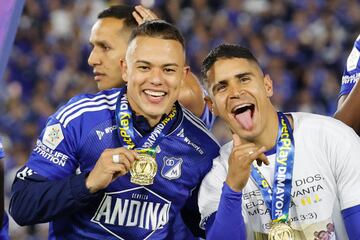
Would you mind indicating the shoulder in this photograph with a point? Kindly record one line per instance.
(351, 72)
(314, 125)
(96, 106)
(197, 127)
(193, 133)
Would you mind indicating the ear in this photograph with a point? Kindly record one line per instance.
(186, 71)
(123, 69)
(268, 85)
(211, 105)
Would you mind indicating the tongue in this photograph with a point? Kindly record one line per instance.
(245, 119)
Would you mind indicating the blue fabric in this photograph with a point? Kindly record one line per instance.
(33, 197)
(4, 231)
(208, 117)
(227, 222)
(10, 12)
(351, 218)
(351, 72)
(2, 152)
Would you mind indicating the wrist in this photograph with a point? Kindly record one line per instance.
(233, 185)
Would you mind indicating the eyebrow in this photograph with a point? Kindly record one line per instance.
(149, 63)
(241, 75)
(99, 42)
(238, 76)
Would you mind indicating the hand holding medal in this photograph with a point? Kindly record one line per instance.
(112, 164)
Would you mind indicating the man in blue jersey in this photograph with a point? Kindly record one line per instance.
(109, 40)
(137, 153)
(309, 181)
(349, 101)
(4, 219)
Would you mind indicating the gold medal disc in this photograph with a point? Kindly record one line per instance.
(281, 231)
(143, 170)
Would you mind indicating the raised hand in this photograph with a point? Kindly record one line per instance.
(112, 164)
(143, 14)
(240, 160)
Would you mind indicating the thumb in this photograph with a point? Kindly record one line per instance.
(236, 140)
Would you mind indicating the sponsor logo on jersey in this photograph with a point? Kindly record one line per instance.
(53, 136)
(26, 172)
(172, 168)
(100, 134)
(353, 59)
(189, 142)
(352, 79)
(107, 130)
(193, 145)
(50, 154)
(180, 133)
(132, 212)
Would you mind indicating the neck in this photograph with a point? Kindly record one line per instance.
(153, 121)
(268, 137)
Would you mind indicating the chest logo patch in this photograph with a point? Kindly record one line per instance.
(172, 168)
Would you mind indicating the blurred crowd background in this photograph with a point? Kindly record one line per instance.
(302, 44)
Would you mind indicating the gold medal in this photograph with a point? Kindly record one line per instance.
(281, 231)
(144, 169)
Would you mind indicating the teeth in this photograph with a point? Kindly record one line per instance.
(154, 94)
(241, 106)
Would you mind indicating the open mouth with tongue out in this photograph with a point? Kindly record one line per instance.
(244, 114)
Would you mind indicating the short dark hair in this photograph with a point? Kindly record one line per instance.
(158, 29)
(224, 51)
(122, 12)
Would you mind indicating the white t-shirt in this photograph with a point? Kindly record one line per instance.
(326, 180)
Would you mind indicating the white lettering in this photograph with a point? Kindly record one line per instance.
(131, 213)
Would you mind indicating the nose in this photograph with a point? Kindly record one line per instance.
(234, 91)
(93, 58)
(156, 76)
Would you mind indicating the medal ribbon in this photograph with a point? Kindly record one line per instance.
(126, 133)
(278, 198)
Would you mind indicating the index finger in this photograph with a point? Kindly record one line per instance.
(137, 17)
(131, 155)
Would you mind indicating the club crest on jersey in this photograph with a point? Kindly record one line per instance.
(134, 213)
(172, 168)
(53, 136)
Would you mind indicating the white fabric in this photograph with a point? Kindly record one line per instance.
(326, 179)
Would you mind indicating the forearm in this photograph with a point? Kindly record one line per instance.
(228, 222)
(36, 199)
(348, 110)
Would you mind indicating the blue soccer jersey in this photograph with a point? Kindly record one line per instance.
(352, 70)
(4, 229)
(47, 188)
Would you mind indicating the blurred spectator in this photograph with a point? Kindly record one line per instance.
(301, 44)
